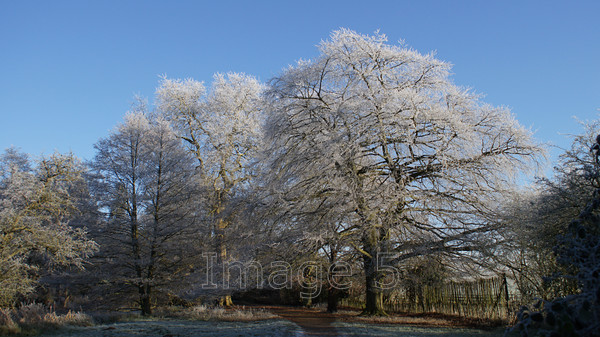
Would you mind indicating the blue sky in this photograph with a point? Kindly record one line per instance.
(69, 69)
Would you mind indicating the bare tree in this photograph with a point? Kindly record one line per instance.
(146, 179)
(416, 164)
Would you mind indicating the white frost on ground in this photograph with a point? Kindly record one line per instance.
(271, 328)
(385, 330)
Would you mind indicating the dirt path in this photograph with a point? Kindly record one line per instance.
(315, 322)
(312, 322)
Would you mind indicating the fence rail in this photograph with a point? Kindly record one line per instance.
(482, 298)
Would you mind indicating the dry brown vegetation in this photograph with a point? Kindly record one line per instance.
(208, 313)
(34, 318)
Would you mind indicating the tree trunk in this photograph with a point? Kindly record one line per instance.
(145, 301)
(225, 300)
(374, 293)
(332, 299)
(308, 302)
(146, 289)
(374, 298)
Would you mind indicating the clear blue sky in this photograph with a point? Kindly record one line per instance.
(69, 69)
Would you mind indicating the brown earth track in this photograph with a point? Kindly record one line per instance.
(316, 322)
(313, 322)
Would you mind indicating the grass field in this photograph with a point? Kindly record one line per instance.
(268, 328)
(261, 328)
(385, 330)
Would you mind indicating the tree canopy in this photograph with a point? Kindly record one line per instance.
(378, 134)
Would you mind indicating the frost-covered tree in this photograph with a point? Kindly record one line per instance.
(222, 129)
(534, 220)
(578, 251)
(36, 206)
(540, 214)
(307, 235)
(565, 231)
(378, 132)
(146, 184)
